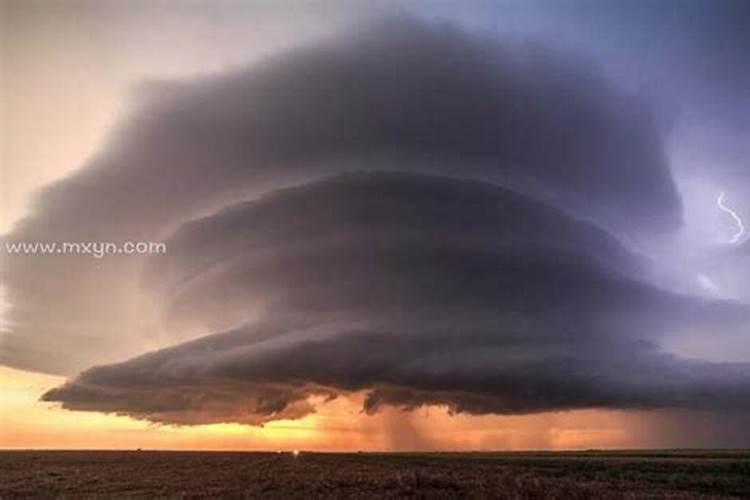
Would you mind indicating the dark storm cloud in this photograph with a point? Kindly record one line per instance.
(231, 378)
(418, 290)
(451, 237)
(398, 95)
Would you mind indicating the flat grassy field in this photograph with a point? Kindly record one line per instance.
(154, 474)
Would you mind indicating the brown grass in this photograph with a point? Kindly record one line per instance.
(595, 475)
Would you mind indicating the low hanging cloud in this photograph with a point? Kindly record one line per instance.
(419, 290)
(406, 210)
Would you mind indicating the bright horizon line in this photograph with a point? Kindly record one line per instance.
(374, 451)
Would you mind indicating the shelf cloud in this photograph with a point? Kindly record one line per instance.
(418, 290)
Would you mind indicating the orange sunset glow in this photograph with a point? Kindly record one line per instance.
(338, 426)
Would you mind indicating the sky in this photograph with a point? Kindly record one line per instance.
(388, 226)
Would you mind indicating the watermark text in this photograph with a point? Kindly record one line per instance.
(95, 249)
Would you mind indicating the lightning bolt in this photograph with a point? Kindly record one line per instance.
(737, 219)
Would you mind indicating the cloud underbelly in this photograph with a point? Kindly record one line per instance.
(418, 290)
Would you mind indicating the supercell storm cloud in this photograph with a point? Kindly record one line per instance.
(408, 210)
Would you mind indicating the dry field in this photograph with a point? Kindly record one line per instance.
(596, 475)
